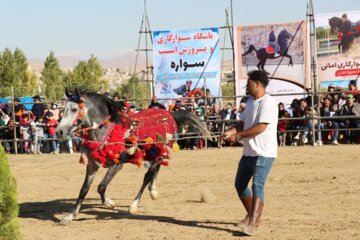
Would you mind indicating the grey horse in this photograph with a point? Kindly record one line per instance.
(96, 109)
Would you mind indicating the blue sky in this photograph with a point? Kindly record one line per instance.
(108, 28)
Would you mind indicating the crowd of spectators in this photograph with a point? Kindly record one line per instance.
(331, 128)
(35, 128)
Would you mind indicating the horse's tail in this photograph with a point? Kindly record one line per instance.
(182, 116)
(251, 48)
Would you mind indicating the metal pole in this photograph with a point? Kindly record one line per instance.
(232, 44)
(146, 54)
(13, 116)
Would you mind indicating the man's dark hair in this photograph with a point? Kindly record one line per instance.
(260, 76)
(344, 15)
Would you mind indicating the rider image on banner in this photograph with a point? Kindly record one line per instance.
(183, 59)
(279, 49)
(337, 43)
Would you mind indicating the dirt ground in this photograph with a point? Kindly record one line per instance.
(311, 193)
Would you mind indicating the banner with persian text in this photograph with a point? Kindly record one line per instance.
(186, 62)
(337, 45)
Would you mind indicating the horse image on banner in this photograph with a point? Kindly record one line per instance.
(112, 138)
(275, 49)
(346, 31)
(280, 49)
(338, 48)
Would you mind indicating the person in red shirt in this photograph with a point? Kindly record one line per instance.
(51, 125)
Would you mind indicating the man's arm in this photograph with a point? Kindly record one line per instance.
(251, 132)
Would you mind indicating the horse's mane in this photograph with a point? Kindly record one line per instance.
(113, 107)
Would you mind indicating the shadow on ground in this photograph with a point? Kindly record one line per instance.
(47, 211)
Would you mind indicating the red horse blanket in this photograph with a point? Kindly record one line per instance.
(146, 135)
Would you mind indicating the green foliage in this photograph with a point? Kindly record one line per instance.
(53, 78)
(88, 73)
(324, 33)
(14, 71)
(133, 89)
(228, 89)
(9, 209)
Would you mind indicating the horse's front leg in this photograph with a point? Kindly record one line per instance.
(152, 186)
(149, 176)
(110, 174)
(291, 61)
(91, 170)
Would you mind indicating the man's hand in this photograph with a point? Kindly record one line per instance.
(229, 135)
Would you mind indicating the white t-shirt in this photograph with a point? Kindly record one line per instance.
(262, 110)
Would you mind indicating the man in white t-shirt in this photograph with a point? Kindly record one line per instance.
(257, 128)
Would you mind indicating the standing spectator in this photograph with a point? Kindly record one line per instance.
(282, 124)
(38, 107)
(55, 109)
(7, 108)
(10, 135)
(51, 125)
(4, 119)
(17, 105)
(155, 104)
(38, 132)
(25, 133)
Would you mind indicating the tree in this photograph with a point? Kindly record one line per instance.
(53, 79)
(88, 74)
(9, 208)
(132, 89)
(14, 71)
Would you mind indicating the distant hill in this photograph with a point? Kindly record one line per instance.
(69, 62)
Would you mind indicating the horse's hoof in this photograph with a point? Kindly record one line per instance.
(67, 219)
(154, 194)
(133, 207)
(110, 204)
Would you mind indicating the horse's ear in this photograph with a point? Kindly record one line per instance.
(67, 93)
(78, 94)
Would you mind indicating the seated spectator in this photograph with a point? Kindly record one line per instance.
(155, 104)
(296, 125)
(308, 126)
(349, 109)
(330, 110)
(227, 113)
(352, 89)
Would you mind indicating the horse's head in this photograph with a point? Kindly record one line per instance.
(284, 35)
(335, 24)
(86, 109)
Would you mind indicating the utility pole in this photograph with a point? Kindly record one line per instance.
(145, 29)
(313, 73)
